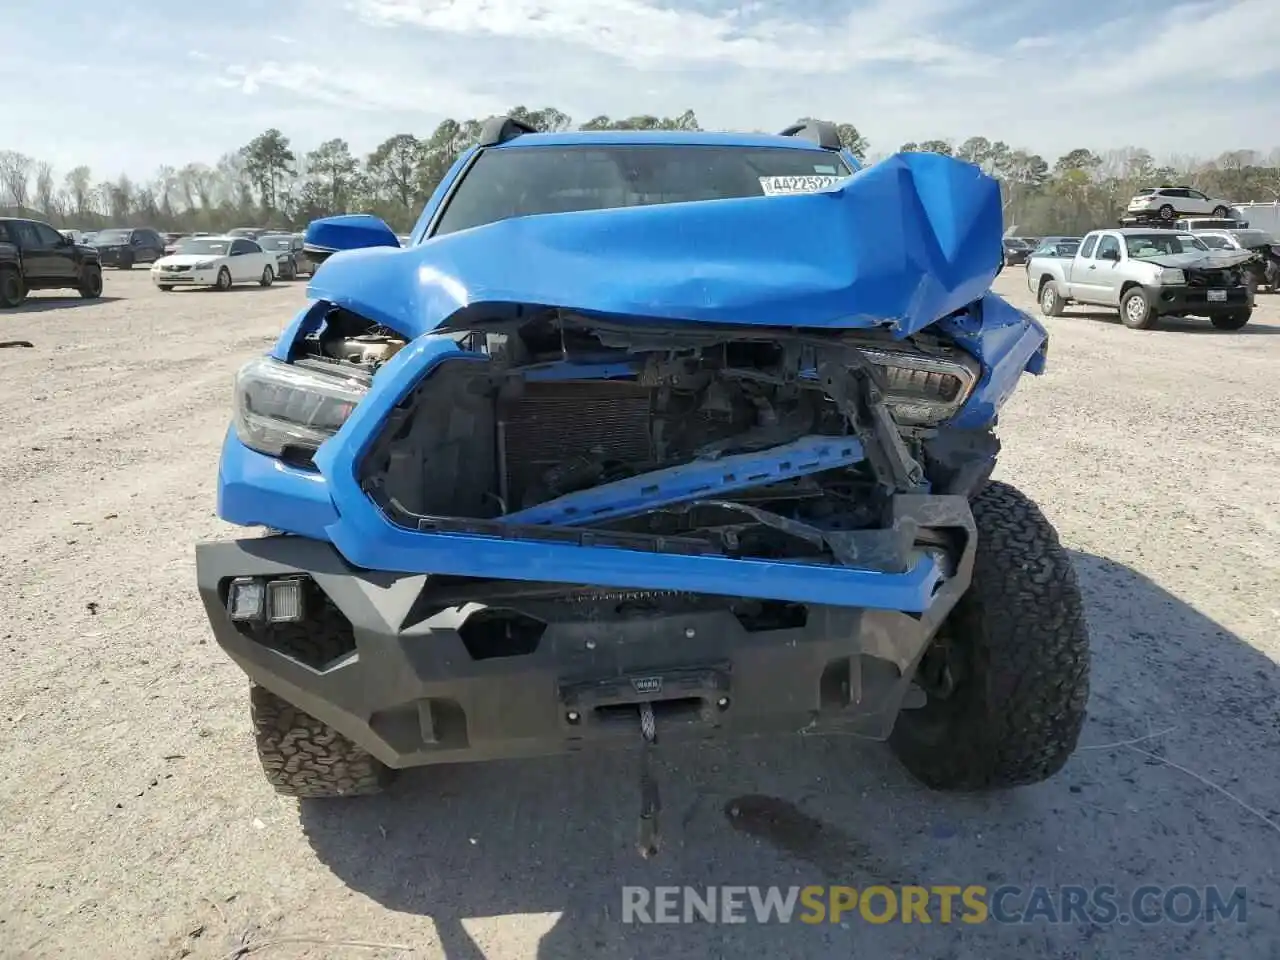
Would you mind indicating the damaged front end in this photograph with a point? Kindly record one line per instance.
(730, 495)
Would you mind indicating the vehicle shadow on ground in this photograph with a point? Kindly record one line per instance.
(238, 288)
(37, 304)
(556, 836)
(1193, 325)
(1178, 324)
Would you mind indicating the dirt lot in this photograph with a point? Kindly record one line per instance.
(136, 824)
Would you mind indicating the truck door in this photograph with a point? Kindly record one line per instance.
(1108, 274)
(38, 266)
(58, 251)
(1083, 272)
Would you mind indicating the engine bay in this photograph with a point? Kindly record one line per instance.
(760, 443)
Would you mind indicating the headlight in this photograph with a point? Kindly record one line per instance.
(1168, 275)
(923, 390)
(281, 407)
(204, 265)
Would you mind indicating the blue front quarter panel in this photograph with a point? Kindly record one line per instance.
(1008, 343)
(257, 490)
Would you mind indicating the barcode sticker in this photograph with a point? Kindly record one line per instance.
(779, 186)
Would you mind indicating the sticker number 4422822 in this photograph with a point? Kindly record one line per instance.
(776, 186)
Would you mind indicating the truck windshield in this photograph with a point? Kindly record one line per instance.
(524, 181)
(1143, 245)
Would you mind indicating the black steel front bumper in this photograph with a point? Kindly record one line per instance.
(1194, 301)
(410, 691)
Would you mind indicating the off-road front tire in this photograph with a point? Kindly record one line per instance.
(303, 757)
(1231, 321)
(1017, 650)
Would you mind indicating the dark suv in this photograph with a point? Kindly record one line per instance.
(123, 247)
(35, 256)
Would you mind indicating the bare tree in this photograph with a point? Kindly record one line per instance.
(1077, 191)
(78, 186)
(15, 175)
(46, 193)
(165, 187)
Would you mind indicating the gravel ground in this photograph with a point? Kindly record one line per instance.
(136, 823)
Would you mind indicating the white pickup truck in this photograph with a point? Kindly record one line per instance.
(1146, 274)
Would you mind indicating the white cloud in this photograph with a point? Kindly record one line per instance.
(899, 69)
(1244, 35)
(648, 36)
(353, 90)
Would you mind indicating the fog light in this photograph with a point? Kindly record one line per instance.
(245, 598)
(284, 601)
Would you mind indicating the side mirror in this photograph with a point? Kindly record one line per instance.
(354, 231)
(1113, 255)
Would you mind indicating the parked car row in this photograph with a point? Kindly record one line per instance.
(36, 256)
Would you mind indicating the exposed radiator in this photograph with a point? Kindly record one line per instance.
(552, 423)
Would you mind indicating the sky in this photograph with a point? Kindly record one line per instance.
(133, 85)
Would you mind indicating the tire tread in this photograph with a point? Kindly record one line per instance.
(1025, 614)
(306, 758)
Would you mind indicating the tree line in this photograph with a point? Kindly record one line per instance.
(268, 182)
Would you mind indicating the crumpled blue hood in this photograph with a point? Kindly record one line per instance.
(902, 243)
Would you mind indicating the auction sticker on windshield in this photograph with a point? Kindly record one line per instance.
(777, 186)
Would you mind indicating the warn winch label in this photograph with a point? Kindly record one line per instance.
(779, 186)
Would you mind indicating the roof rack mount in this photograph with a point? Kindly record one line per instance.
(498, 130)
(821, 132)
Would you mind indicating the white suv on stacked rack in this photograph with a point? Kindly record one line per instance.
(1169, 203)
